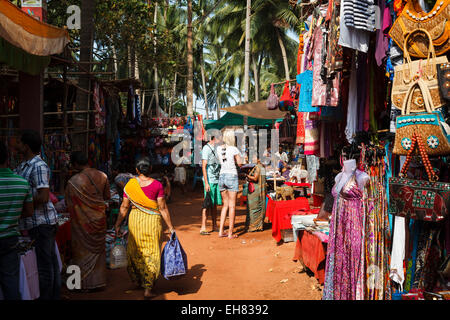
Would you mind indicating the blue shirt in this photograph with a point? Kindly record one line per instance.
(37, 173)
(305, 80)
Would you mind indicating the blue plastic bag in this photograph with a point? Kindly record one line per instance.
(173, 259)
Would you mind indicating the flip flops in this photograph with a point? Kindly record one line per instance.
(234, 236)
(204, 233)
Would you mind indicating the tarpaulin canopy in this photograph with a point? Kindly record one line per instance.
(26, 33)
(231, 119)
(256, 110)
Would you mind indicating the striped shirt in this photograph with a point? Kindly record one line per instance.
(14, 192)
(360, 14)
(37, 173)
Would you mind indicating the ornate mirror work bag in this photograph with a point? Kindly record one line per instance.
(419, 199)
(436, 22)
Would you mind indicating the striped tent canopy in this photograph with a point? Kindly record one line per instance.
(26, 33)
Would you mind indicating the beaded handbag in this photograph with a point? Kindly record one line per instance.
(409, 71)
(436, 22)
(430, 126)
(419, 199)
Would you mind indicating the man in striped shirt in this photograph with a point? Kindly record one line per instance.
(16, 201)
(42, 225)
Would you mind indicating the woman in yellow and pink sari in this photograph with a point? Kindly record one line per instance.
(145, 195)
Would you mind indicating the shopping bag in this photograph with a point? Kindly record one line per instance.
(173, 259)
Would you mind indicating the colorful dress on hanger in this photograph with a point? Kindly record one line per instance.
(344, 270)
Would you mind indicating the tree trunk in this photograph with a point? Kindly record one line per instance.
(205, 95)
(218, 108)
(155, 66)
(86, 47)
(247, 53)
(256, 76)
(174, 93)
(190, 63)
(116, 66)
(283, 53)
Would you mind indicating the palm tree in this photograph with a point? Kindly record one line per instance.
(190, 63)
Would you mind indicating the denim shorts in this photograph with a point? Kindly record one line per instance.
(228, 182)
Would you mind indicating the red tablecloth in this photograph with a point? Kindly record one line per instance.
(280, 212)
(312, 252)
(295, 184)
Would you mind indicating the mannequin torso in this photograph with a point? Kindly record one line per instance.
(348, 169)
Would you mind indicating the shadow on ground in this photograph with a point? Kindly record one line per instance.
(187, 284)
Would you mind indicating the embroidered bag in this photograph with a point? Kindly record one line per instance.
(418, 199)
(436, 22)
(272, 102)
(405, 74)
(173, 259)
(430, 126)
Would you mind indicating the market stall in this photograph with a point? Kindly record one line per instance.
(368, 120)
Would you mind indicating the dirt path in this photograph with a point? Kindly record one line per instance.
(249, 267)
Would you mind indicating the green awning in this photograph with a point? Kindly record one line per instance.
(232, 119)
(20, 60)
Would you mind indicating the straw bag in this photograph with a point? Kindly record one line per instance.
(406, 73)
(436, 22)
(430, 126)
(419, 199)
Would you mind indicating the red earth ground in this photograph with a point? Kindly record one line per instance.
(250, 267)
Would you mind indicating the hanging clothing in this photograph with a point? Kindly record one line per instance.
(305, 80)
(352, 115)
(312, 134)
(323, 93)
(137, 110)
(300, 128)
(382, 42)
(352, 38)
(344, 271)
(312, 166)
(377, 237)
(360, 14)
(335, 53)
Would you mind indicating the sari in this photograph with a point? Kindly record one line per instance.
(256, 201)
(144, 239)
(85, 197)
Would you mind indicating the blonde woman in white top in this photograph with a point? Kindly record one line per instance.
(229, 157)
